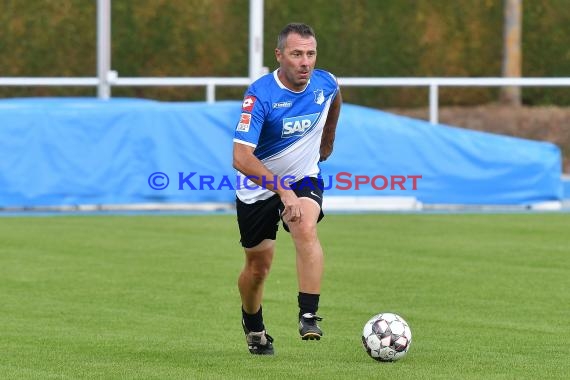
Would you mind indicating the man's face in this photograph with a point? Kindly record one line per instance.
(297, 61)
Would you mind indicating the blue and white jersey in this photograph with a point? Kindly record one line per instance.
(284, 127)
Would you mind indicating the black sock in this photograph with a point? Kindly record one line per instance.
(253, 322)
(308, 303)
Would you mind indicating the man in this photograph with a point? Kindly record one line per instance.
(287, 126)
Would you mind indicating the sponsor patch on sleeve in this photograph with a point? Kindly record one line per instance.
(248, 103)
(244, 121)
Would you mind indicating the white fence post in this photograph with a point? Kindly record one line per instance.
(433, 103)
(103, 48)
(255, 39)
(211, 92)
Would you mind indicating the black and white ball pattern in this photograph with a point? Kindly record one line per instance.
(386, 337)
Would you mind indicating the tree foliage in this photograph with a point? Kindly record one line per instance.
(376, 38)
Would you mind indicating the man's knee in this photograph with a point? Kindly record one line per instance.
(258, 260)
(305, 231)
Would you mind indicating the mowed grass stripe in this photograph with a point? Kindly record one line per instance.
(155, 297)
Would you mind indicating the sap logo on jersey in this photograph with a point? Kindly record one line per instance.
(299, 125)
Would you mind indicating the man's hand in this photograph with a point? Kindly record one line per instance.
(292, 211)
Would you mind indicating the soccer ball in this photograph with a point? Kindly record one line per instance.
(386, 337)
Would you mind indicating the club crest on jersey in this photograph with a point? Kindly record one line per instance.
(244, 122)
(248, 103)
(299, 125)
(319, 96)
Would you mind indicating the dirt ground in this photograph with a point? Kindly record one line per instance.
(535, 123)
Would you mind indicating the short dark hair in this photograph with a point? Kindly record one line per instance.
(301, 29)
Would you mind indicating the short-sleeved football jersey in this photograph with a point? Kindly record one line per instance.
(284, 127)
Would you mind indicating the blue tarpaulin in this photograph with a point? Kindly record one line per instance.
(457, 166)
(72, 151)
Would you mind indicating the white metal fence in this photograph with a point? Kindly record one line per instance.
(435, 83)
(210, 83)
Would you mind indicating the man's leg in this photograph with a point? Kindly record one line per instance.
(258, 261)
(310, 263)
(257, 265)
(310, 258)
(258, 230)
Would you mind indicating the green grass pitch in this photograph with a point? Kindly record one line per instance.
(154, 297)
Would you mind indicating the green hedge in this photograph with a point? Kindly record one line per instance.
(382, 38)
